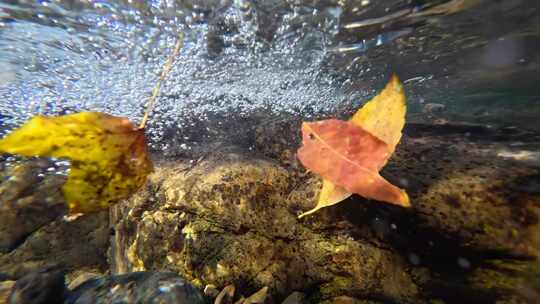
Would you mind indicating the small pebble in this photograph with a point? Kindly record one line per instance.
(294, 298)
(211, 291)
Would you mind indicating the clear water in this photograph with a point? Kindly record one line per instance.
(469, 60)
(462, 62)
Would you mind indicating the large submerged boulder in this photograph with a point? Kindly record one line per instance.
(231, 217)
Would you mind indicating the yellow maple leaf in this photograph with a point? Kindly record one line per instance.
(108, 155)
(384, 117)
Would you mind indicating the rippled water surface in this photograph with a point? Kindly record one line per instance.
(460, 60)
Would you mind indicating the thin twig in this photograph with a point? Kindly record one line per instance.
(166, 69)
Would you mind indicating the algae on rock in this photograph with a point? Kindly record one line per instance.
(229, 219)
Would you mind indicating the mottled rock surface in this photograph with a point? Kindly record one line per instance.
(472, 184)
(231, 217)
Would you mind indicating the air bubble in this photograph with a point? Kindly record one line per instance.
(414, 259)
(463, 263)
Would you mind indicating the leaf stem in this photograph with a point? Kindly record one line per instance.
(164, 72)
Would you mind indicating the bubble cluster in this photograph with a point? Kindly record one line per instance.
(243, 57)
(107, 57)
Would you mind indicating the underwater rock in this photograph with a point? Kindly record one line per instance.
(463, 191)
(433, 108)
(295, 298)
(350, 300)
(45, 286)
(5, 290)
(260, 297)
(211, 291)
(29, 199)
(233, 219)
(137, 287)
(226, 295)
(472, 231)
(79, 277)
(81, 243)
